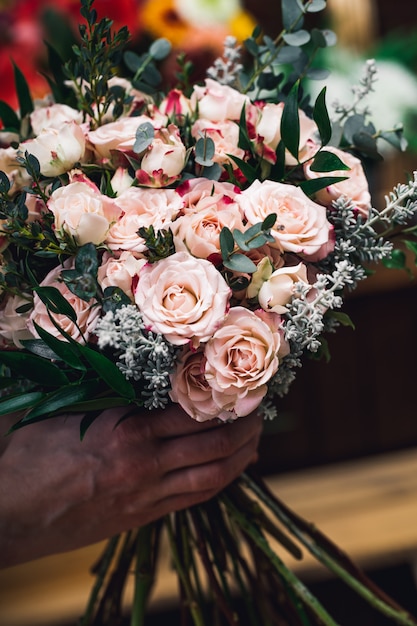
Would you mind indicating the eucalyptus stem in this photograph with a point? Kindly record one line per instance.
(399, 615)
(289, 577)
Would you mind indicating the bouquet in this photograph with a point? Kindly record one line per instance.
(190, 245)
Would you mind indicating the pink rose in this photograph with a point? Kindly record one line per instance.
(164, 160)
(277, 291)
(199, 233)
(119, 135)
(13, 325)
(53, 116)
(119, 271)
(301, 225)
(199, 194)
(217, 102)
(354, 187)
(83, 212)
(225, 136)
(183, 298)
(191, 390)
(87, 312)
(57, 150)
(176, 106)
(268, 133)
(142, 207)
(241, 357)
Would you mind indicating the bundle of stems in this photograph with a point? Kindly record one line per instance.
(229, 573)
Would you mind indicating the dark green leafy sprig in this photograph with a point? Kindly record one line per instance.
(18, 123)
(97, 58)
(160, 244)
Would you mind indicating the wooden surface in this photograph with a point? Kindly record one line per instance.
(368, 507)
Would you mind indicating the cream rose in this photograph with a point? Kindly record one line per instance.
(241, 358)
(183, 298)
(301, 224)
(87, 312)
(13, 325)
(142, 208)
(278, 289)
(119, 271)
(119, 135)
(225, 136)
(199, 233)
(175, 105)
(191, 390)
(217, 102)
(53, 116)
(199, 194)
(164, 160)
(83, 212)
(354, 187)
(57, 150)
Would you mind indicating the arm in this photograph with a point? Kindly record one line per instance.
(59, 494)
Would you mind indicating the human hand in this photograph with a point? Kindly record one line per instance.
(60, 494)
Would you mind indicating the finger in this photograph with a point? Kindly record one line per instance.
(189, 483)
(207, 446)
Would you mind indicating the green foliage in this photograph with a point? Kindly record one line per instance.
(160, 244)
(254, 237)
(146, 76)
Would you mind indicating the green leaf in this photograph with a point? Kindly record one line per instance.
(20, 402)
(240, 263)
(290, 122)
(342, 318)
(64, 350)
(412, 246)
(314, 6)
(23, 93)
(310, 187)
(39, 347)
(396, 261)
(321, 117)
(9, 118)
(109, 372)
(59, 401)
(248, 171)
(55, 302)
(34, 368)
(325, 161)
(269, 221)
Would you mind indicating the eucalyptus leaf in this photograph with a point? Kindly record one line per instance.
(160, 48)
(204, 151)
(314, 6)
(289, 55)
(299, 38)
(291, 14)
(240, 263)
(227, 242)
(32, 367)
(144, 136)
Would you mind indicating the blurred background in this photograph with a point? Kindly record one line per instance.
(361, 405)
